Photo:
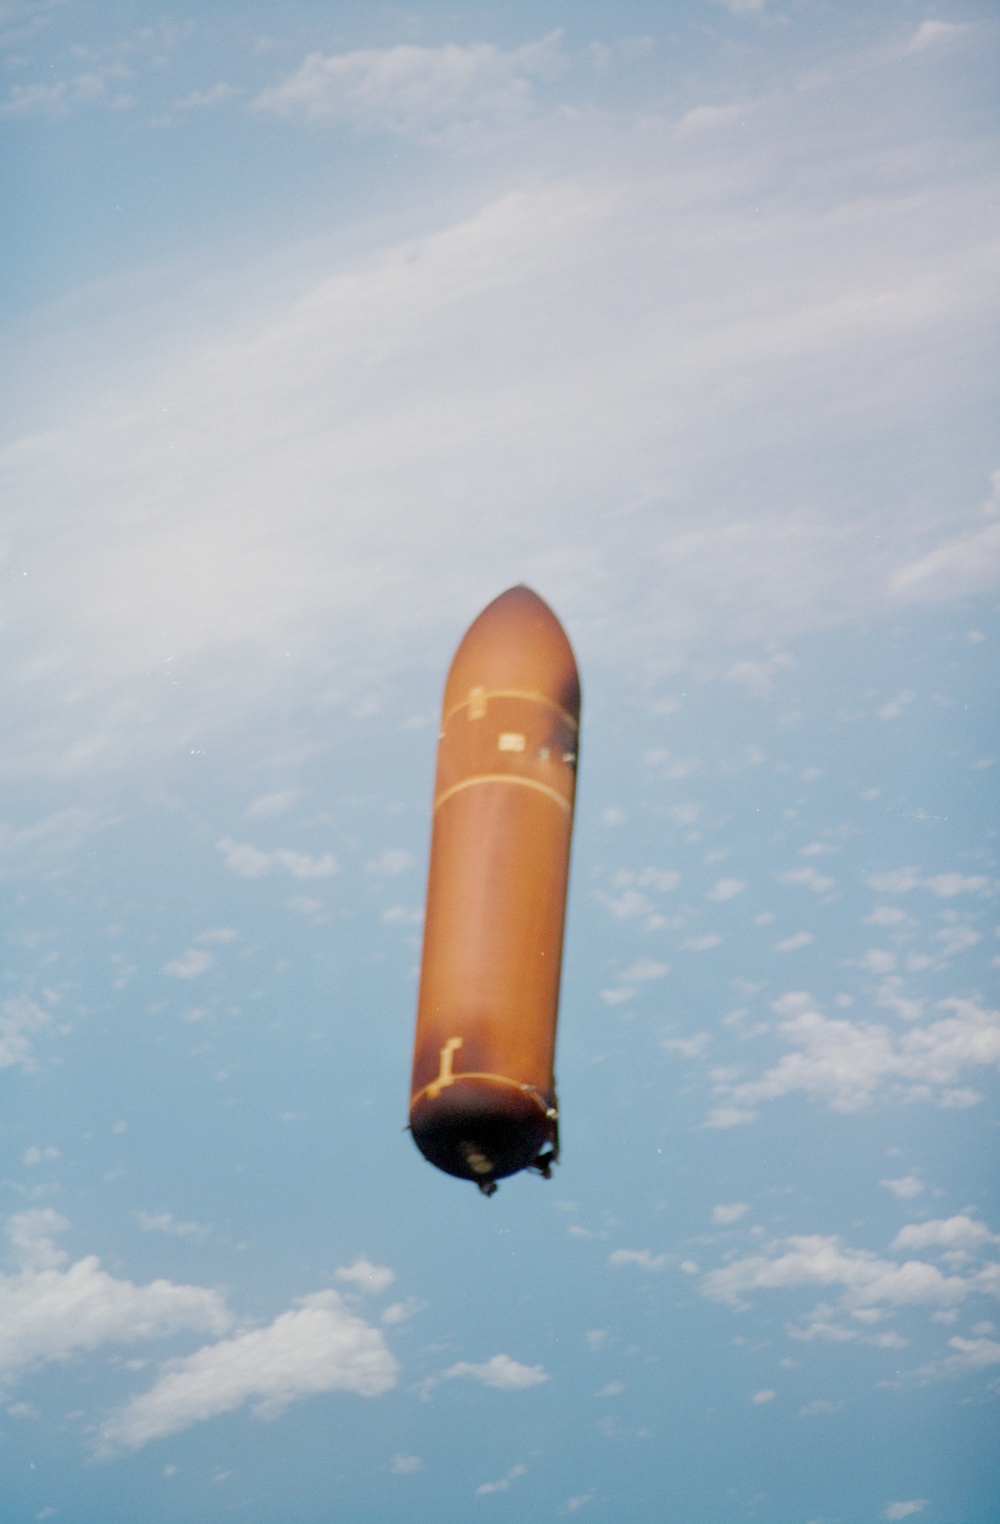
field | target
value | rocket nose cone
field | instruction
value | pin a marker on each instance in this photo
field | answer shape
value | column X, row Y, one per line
column 516, row 642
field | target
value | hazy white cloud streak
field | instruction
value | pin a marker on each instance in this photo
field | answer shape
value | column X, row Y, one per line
column 534, row 390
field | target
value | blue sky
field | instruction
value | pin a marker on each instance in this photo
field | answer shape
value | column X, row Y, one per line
column 323, row 324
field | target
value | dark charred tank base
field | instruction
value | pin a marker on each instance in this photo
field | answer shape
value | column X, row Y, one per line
column 483, row 1130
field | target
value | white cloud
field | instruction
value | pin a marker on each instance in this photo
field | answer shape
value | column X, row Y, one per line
column 21, row 1019
column 767, row 1395
column 191, row 963
column 896, row 881
column 317, row 1346
column 302, row 865
column 250, row 862
column 946, row 885
column 729, row 1116
column 640, row 1257
column 617, row 996
column 793, row 943
column 807, row 878
column 966, row 564
column 48, row 1312
column 660, row 880
column 500, row 1372
column 46, row 844
column 366, row 1276
column 245, row 860
column 225, row 491
column 757, row 677
column 688, row 1047
column 644, row 969
column 847, row 1063
column 742, row 7
column 406, row 1465
column 705, row 118
column 215, row 95
column 415, row 91
column 904, row 1510
column 267, row 805
column 165, row 1222
column 931, row 34
column 958, row 1232
column 725, row 889
column 905, row 1188
column 870, row 1286
column 61, row 97
column 392, row 861
column 967, row 1355
column 897, row 706
column 886, row 915
column 502, row 1485
column 731, row 1212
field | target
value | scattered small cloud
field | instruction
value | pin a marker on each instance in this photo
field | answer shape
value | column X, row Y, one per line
column 48, row 1312
column 190, row 964
column 794, row 943
column 210, row 98
column 688, row 1047
column 500, row 1373
column 704, row 943
column 807, row 878
column 897, row 706
column 904, row 1510
column 868, row 1287
column 249, row 862
column 756, row 678
column 574, row 1504
column 392, row 861
column 427, row 93
column 406, row 1465
column 366, row 1276
column 317, row 1346
column 165, row 1222
column 725, row 889
column 934, row 34
column 767, row 1395
column 742, row 7
column 644, row 969
column 959, row 1232
column 847, row 1063
column 732, row 1211
column 268, row 805
column 502, row 1485
column 905, row 1188
column 640, row 1257
column 21, row 1019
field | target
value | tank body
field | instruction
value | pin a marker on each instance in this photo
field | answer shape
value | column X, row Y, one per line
column 483, row 1102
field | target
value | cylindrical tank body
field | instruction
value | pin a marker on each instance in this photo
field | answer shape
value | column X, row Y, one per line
column 483, row 1101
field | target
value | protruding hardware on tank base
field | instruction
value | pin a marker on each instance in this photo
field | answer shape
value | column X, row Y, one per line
column 483, row 1102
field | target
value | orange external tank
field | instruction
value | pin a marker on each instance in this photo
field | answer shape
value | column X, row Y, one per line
column 483, row 1102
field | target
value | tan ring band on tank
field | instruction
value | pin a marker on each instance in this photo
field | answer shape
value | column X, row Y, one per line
column 483, row 695
column 433, row 1090
column 543, row 788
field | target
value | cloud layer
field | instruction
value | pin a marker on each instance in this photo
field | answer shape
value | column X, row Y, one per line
column 318, row 1346
column 277, row 506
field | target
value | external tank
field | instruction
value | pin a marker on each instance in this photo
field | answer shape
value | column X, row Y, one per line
column 483, row 1102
